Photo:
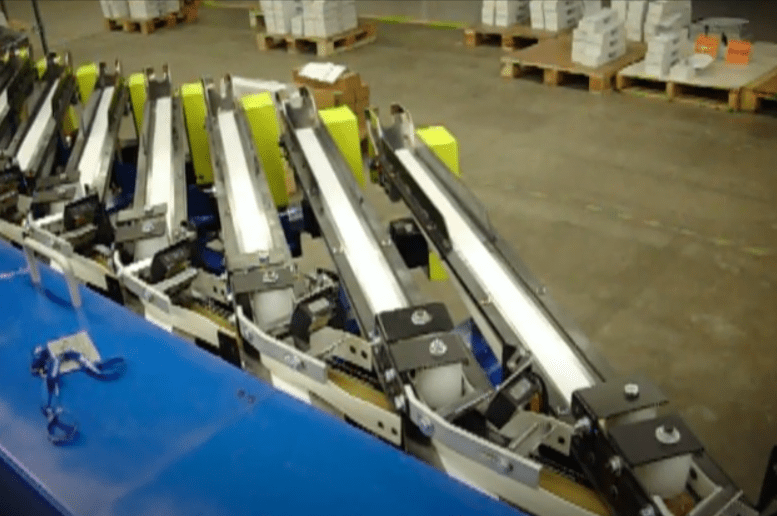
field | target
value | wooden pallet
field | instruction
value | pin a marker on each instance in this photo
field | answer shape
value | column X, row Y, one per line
column 188, row 13
column 553, row 59
column 366, row 32
column 760, row 92
column 509, row 38
column 677, row 91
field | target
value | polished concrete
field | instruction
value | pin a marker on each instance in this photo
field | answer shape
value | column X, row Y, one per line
column 654, row 224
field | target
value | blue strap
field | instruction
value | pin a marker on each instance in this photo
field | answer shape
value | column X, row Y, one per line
column 61, row 426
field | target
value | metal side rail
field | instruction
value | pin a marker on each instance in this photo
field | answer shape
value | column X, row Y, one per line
column 638, row 460
column 88, row 170
column 17, row 76
column 159, row 215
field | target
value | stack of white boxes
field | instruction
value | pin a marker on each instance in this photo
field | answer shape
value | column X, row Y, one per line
column 635, row 19
column 148, row 9
column 621, row 7
column 555, row 15
column 667, row 16
column 278, row 15
column 537, row 14
column 504, row 13
column 591, row 7
column 115, row 9
column 324, row 18
column 663, row 53
column 599, row 39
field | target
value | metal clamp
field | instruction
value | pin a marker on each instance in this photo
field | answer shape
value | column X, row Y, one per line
column 481, row 451
column 32, row 246
column 280, row 351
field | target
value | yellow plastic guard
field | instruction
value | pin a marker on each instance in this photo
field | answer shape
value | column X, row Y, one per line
column 137, row 90
column 344, row 129
column 260, row 112
column 445, row 146
column 193, row 97
column 70, row 122
column 86, row 77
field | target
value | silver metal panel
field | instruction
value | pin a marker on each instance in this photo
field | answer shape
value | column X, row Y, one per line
column 370, row 266
column 516, row 306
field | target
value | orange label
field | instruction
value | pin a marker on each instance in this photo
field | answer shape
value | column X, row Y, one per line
column 707, row 45
column 738, row 52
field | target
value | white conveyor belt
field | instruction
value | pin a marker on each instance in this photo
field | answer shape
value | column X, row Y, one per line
column 160, row 182
column 31, row 140
column 372, row 271
column 252, row 228
column 89, row 165
column 516, row 306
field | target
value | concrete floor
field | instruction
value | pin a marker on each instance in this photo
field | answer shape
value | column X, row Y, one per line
column 654, row 224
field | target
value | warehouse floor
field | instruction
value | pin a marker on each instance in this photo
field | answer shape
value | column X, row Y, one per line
column 654, row 224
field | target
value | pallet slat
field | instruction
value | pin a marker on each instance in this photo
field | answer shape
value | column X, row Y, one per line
column 188, row 13
column 509, row 38
column 719, row 98
column 757, row 92
column 553, row 58
column 365, row 33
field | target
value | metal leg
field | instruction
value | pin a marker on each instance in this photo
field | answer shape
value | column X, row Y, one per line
column 39, row 25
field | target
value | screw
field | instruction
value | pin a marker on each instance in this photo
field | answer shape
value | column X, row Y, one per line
column 390, row 375
column 269, row 277
column 615, row 465
column 399, row 402
column 582, row 426
column 542, row 290
column 667, row 434
column 426, row 426
column 293, row 361
column 647, row 511
column 420, row 317
column 437, row 348
column 631, row 391
column 504, row 465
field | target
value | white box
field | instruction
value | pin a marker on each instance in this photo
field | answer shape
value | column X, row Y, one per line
column 601, row 21
column 143, row 9
column 537, row 14
column 297, row 25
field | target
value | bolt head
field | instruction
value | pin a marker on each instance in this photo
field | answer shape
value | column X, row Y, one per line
column 631, row 391
column 426, row 426
column 615, row 465
column 420, row 317
column 293, row 361
column 437, row 347
column 667, row 434
column 503, row 465
column 647, row 511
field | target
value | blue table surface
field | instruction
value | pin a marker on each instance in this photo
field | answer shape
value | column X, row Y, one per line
column 172, row 436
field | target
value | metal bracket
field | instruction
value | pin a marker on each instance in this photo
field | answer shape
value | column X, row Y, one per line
column 79, row 342
column 260, row 279
column 144, row 291
column 481, row 451
column 58, row 193
column 140, row 229
column 268, row 345
column 428, row 351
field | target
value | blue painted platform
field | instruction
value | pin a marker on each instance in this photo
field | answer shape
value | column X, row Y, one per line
column 183, row 432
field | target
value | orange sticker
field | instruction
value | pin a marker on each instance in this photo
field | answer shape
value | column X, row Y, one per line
column 707, row 45
column 738, row 52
